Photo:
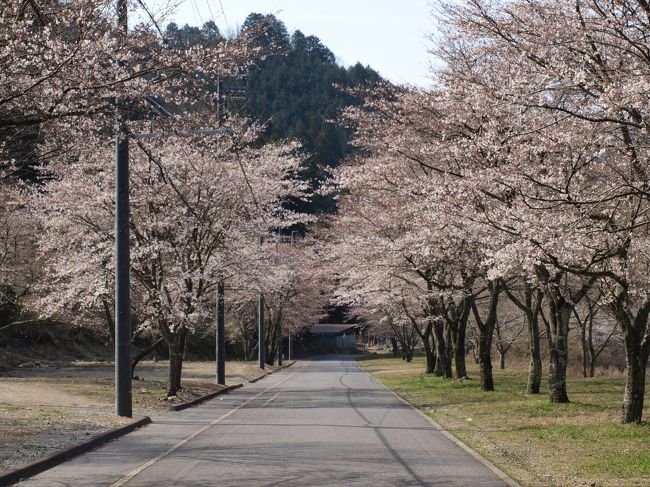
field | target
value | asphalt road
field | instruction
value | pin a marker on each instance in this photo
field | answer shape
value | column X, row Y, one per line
column 321, row 422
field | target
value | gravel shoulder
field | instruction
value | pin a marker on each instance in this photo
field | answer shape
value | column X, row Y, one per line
column 44, row 408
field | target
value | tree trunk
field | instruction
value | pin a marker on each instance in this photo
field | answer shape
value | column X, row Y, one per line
column 591, row 350
column 429, row 354
column 425, row 336
column 443, row 362
column 502, row 360
column 408, row 356
column 559, row 355
column 136, row 360
column 634, row 385
column 560, row 308
column 176, row 352
column 110, row 323
column 583, row 347
column 637, row 351
column 460, row 366
column 486, row 332
column 531, row 306
column 535, row 366
column 485, row 355
column 449, row 345
column 557, row 390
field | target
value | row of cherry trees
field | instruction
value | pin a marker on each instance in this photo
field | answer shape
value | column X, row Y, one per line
column 203, row 192
column 522, row 175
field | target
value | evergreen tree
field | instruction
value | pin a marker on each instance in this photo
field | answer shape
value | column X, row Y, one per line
column 297, row 92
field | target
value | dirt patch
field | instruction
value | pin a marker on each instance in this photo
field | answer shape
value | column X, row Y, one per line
column 42, row 393
column 30, row 433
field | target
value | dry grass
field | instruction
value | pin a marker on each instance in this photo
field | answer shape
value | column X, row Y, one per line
column 537, row 443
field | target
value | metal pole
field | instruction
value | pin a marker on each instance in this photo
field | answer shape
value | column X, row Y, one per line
column 289, row 354
column 279, row 348
column 261, row 347
column 221, row 335
column 123, row 399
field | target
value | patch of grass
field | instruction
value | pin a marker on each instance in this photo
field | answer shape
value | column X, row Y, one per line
column 623, row 464
column 9, row 408
column 538, row 443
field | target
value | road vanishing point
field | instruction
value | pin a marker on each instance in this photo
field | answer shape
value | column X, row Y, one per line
column 319, row 423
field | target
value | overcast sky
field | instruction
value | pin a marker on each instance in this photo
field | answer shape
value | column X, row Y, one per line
column 388, row 35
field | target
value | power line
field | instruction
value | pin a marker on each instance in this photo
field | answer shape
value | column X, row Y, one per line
column 225, row 19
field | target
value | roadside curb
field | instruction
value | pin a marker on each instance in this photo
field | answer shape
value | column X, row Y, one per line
column 253, row 381
column 198, row 400
column 46, row 463
column 493, row 468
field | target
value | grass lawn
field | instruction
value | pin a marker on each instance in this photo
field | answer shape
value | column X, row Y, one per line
column 535, row 442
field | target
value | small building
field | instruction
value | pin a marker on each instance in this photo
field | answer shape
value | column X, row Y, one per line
column 335, row 337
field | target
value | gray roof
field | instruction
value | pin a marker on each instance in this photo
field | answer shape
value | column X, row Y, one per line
column 331, row 329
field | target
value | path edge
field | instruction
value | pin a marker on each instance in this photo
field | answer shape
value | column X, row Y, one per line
column 200, row 399
column 254, row 380
column 477, row 456
column 59, row 457
column 212, row 395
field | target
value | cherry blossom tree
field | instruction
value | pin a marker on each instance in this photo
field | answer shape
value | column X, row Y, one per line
column 584, row 167
column 64, row 59
column 197, row 205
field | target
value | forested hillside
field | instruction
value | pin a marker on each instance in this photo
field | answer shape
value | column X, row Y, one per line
column 296, row 92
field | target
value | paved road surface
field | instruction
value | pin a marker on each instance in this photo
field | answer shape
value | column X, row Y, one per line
column 321, row 422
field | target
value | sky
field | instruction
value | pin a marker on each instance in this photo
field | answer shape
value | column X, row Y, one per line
column 388, row 35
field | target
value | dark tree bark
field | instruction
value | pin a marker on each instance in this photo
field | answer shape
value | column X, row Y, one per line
column 136, row 360
column 408, row 355
column 176, row 353
column 425, row 336
column 456, row 316
column 485, row 362
column 531, row 306
column 504, row 343
column 393, row 342
column 560, row 302
column 443, row 360
column 430, row 353
column 590, row 352
column 407, row 337
column 108, row 315
column 245, row 332
column 486, row 332
column 274, row 327
column 636, row 338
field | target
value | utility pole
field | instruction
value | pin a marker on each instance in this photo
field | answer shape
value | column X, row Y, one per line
column 289, row 354
column 123, row 398
column 261, row 340
column 221, row 335
column 289, row 348
column 261, row 347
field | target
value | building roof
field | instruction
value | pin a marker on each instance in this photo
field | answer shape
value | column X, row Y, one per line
column 331, row 329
